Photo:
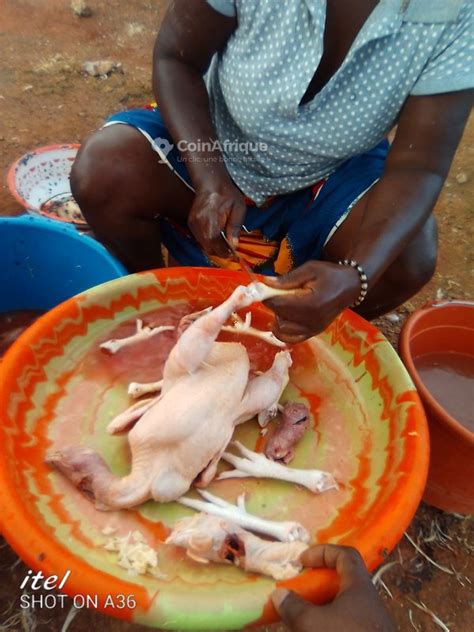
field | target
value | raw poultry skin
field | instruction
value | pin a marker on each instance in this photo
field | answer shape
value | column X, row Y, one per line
column 212, row 539
column 182, row 433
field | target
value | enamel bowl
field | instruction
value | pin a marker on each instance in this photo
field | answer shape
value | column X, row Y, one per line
column 39, row 181
column 56, row 388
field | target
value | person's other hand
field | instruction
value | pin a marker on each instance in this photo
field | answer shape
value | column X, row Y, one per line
column 222, row 208
column 356, row 608
column 326, row 289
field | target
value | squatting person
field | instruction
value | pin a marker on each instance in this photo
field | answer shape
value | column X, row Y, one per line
column 271, row 126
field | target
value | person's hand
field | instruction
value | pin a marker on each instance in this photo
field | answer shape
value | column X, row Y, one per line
column 325, row 290
column 357, row 606
column 215, row 209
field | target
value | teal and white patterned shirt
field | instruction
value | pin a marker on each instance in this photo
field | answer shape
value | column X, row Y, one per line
column 406, row 47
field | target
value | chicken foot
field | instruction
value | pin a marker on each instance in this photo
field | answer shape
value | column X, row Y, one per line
column 283, row 531
column 142, row 333
column 258, row 466
column 244, row 327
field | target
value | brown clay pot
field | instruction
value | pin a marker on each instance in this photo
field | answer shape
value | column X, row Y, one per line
column 441, row 327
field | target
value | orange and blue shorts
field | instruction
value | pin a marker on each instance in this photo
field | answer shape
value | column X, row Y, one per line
column 285, row 232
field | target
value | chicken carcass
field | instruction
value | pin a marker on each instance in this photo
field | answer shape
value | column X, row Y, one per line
column 213, row 539
column 182, row 433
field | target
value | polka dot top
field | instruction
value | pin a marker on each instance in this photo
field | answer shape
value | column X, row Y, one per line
column 274, row 145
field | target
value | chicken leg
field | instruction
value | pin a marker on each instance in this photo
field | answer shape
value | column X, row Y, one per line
column 264, row 390
column 196, row 342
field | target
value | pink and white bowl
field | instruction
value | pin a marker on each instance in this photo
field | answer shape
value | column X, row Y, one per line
column 39, row 181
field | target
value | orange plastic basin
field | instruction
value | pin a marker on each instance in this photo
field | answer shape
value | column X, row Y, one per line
column 367, row 422
column 445, row 327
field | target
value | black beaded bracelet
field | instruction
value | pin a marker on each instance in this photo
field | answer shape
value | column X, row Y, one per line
column 364, row 285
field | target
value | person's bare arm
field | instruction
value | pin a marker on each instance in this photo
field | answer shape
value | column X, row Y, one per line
column 191, row 33
column 428, row 134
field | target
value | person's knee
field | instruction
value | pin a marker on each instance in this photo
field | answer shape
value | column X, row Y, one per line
column 97, row 175
column 416, row 266
column 420, row 274
column 86, row 172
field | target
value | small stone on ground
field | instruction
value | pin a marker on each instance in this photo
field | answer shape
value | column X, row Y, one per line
column 81, row 9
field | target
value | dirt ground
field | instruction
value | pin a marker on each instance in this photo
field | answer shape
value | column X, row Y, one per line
column 44, row 99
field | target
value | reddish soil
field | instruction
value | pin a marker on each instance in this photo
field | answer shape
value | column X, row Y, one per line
column 44, row 99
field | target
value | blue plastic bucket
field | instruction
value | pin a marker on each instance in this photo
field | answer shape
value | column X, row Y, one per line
column 43, row 263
